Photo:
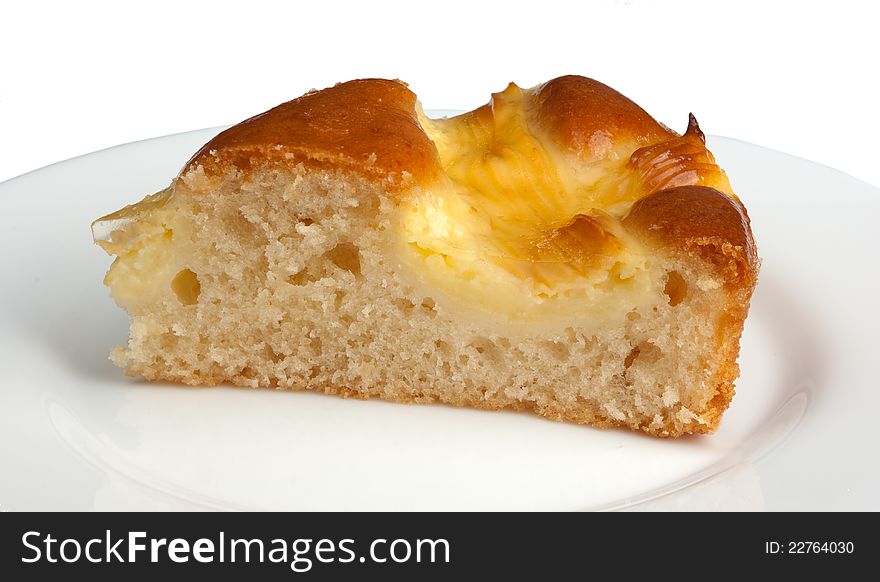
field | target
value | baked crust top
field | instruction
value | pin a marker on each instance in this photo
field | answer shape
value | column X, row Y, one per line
column 374, row 127
column 368, row 126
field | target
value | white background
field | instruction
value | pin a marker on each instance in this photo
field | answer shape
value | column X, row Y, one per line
column 795, row 76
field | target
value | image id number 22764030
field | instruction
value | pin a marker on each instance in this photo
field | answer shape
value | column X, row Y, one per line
column 809, row 547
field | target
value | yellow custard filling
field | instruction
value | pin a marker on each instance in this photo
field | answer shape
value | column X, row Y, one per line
column 518, row 227
column 144, row 237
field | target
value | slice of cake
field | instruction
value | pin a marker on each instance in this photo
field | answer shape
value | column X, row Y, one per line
column 556, row 250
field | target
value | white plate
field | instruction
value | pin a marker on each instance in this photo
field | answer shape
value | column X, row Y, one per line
column 76, row 434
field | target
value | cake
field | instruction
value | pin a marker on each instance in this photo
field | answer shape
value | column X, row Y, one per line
column 556, row 250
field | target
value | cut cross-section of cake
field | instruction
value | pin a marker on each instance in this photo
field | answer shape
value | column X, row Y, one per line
column 556, row 250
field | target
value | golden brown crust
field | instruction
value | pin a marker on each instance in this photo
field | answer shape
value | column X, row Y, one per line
column 371, row 126
column 368, row 126
column 679, row 161
column 582, row 115
column 701, row 222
